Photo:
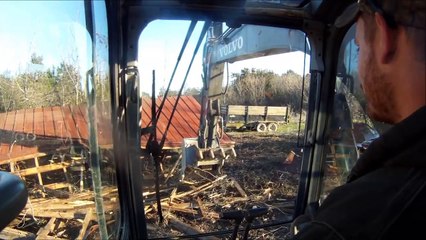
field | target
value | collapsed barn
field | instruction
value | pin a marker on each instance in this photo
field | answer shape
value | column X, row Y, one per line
column 49, row 148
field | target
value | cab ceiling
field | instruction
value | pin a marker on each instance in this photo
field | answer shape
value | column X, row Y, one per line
column 288, row 13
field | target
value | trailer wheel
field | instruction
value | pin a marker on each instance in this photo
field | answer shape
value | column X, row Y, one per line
column 272, row 127
column 261, row 127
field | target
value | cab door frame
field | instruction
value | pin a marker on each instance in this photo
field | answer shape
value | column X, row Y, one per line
column 325, row 40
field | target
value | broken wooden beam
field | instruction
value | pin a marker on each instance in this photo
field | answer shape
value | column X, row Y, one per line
column 173, row 169
column 201, row 188
column 10, row 233
column 186, row 228
column 201, row 207
column 44, row 231
column 239, row 188
column 86, row 221
column 42, row 169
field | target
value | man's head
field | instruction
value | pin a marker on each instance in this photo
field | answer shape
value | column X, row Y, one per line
column 391, row 39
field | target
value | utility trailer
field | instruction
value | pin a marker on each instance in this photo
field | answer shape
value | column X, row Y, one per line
column 259, row 118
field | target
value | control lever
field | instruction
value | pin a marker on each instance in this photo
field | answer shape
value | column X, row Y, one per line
column 250, row 215
column 237, row 216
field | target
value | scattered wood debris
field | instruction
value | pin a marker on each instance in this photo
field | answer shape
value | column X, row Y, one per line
column 62, row 206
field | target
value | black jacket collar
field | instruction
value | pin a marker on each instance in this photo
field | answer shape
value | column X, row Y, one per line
column 404, row 145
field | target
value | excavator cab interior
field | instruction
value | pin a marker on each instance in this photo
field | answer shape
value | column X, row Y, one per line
column 112, row 121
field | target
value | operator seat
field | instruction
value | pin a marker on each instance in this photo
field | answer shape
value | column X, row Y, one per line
column 13, row 197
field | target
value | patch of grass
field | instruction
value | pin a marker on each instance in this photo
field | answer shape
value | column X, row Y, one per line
column 291, row 127
column 234, row 125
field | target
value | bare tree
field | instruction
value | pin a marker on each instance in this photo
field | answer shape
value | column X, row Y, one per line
column 260, row 87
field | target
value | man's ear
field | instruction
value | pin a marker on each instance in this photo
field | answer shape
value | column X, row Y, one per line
column 386, row 42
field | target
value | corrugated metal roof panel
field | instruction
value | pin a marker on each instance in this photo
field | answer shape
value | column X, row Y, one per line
column 42, row 130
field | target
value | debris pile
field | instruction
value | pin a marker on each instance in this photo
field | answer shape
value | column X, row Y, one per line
column 62, row 204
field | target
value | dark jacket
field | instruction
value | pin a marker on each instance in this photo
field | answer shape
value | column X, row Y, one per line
column 385, row 196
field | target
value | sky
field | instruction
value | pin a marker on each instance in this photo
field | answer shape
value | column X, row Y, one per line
column 56, row 31
column 161, row 42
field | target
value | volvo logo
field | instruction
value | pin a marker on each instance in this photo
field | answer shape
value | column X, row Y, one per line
column 231, row 47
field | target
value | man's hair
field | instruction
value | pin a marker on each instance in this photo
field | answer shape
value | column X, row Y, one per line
column 409, row 14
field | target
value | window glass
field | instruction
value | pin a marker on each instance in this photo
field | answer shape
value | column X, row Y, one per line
column 55, row 119
column 350, row 130
column 232, row 143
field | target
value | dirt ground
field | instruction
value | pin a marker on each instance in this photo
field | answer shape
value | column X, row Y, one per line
column 261, row 170
column 259, row 177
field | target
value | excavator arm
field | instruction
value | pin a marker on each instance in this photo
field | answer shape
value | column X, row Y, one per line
column 232, row 45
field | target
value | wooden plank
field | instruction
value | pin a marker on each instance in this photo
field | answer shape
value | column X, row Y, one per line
column 145, row 119
column 86, row 222
column 29, row 132
column 58, row 185
column 4, row 147
column 44, row 231
column 38, row 122
column 174, row 168
column 201, row 188
column 186, row 228
column 2, row 119
column 208, row 162
column 29, row 121
column 81, row 124
column 201, row 207
column 67, row 179
column 183, row 208
column 192, row 109
column 49, row 126
column 10, row 233
column 18, row 129
column 185, row 122
column 83, row 110
column 42, row 169
column 194, row 106
column 71, row 203
column 162, row 124
column 276, row 111
column 40, row 179
column 70, row 214
column 8, row 134
column 19, row 121
column 191, row 119
column 70, row 123
column 236, row 110
column 173, row 133
column 256, row 110
column 181, row 122
column 10, row 121
column 58, row 120
column 84, row 127
column 146, row 112
column 22, row 158
column 104, row 125
column 239, row 188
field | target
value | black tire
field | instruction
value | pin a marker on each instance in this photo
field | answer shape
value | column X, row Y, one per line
column 272, row 127
column 261, row 127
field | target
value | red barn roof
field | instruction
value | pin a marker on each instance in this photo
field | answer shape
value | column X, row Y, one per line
column 28, row 132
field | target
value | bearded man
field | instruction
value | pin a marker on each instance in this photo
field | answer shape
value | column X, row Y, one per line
column 385, row 195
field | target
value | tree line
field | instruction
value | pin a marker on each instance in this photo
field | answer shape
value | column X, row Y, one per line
column 260, row 87
column 263, row 87
column 63, row 85
column 39, row 87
